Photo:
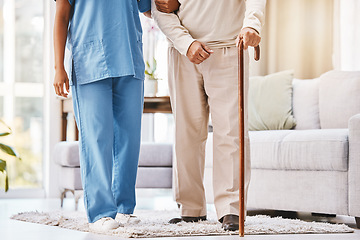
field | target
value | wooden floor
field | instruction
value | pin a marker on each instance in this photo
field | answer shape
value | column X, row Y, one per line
column 16, row 230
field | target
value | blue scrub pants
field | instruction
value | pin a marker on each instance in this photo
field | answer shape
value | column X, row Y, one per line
column 108, row 114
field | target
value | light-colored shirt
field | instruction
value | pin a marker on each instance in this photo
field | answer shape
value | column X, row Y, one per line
column 214, row 22
column 105, row 39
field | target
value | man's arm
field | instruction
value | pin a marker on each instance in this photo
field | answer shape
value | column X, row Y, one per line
column 253, row 22
column 170, row 25
column 255, row 14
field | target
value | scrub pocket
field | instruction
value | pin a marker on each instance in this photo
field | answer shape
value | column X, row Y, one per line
column 90, row 62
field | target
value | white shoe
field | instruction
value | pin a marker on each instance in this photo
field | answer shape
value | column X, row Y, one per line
column 104, row 225
column 126, row 219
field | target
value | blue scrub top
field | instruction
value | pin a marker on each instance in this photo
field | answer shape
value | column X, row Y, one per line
column 105, row 39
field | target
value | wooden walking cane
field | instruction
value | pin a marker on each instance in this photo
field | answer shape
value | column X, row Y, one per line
column 242, row 134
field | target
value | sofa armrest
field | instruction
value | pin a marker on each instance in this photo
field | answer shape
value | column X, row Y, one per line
column 354, row 166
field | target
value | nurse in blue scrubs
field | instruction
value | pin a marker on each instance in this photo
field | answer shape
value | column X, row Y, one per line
column 106, row 80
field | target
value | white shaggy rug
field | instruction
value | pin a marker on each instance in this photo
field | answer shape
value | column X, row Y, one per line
column 154, row 224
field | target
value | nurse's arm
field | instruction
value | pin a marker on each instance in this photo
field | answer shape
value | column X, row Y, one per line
column 62, row 16
column 167, row 6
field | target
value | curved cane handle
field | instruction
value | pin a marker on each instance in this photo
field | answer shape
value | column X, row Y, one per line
column 256, row 52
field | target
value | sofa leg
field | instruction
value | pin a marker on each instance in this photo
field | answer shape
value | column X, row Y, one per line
column 62, row 197
column 357, row 220
column 77, row 196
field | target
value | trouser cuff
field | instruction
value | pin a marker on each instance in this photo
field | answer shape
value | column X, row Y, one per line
column 193, row 212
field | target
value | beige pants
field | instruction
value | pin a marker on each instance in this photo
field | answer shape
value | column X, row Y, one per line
column 196, row 90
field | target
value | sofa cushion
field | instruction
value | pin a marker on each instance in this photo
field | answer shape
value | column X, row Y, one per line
column 71, row 178
column 339, row 98
column 270, row 102
column 306, row 103
column 154, row 177
column 308, row 191
column 67, row 154
column 155, row 154
column 151, row 154
column 321, row 150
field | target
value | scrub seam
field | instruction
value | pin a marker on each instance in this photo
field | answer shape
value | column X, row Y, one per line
column 115, row 164
column 82, row 135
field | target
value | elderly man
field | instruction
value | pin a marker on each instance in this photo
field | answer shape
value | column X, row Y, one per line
column 202, row 74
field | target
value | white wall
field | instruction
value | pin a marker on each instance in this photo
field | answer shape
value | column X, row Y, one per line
column 349, row 35
column 51, row 105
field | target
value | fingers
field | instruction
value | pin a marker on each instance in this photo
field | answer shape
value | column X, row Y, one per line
column 59, row 88
column 253, row 41
column 198, row 52
column 257, row 42
column 197, row 61
column 245, row 41
column 162, row 6
column 67, row 85
column 249, row 36
column 162, row 9
column 242, row 37
column 248, row 41
column 237, row 41
column 159, row 5
column 203, row 54
column 207, row 49
column 56, row 89
column 62, row 93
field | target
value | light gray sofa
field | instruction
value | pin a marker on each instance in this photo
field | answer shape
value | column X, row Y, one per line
column 155, row 167
column 316, row 166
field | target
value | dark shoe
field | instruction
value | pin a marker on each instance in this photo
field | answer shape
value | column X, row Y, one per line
column 187, row 219
column 230, row 222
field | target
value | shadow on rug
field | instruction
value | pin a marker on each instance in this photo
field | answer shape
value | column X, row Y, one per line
column 154, row 224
